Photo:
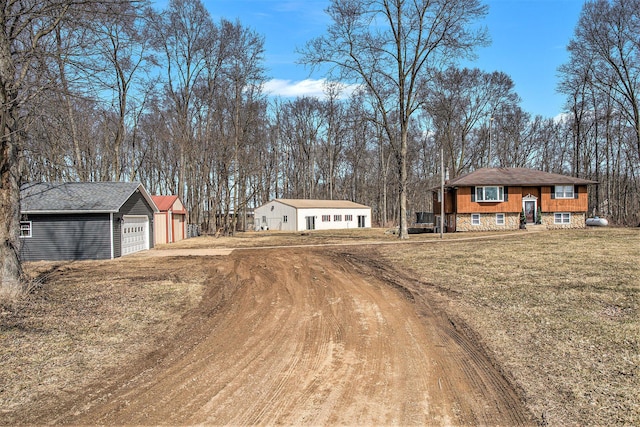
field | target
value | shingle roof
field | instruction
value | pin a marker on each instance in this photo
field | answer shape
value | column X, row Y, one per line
column 78, row 196
column 319, row 204
column 515, row 176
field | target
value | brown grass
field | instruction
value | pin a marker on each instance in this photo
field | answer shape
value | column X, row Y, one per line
column 560, row 311
column 83, row 321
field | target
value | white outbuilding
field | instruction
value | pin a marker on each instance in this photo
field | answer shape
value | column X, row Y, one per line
column 301, row 214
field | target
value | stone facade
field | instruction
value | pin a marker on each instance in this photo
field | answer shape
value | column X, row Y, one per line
column 488, row 222
column 512, row 222
column 577, row 220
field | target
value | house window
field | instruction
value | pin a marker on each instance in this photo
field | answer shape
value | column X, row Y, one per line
column 285, row 218
column 562, row 218
column 326, row 218
column 25, row 229
column 337, row 218
column 489, row 194
column 563, row 192
column 348, row 217
column 500, row 219
column 475, row 219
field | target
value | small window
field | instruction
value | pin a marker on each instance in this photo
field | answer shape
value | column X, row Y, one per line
column 500, row 219
column 563, row 192
column 337, row 218
column 326, row 218
column 25, row 229
column 348, row 217
column 264, row 219
column 562, row 218
column 475, row 219
column 489, row 194
column 285, row 218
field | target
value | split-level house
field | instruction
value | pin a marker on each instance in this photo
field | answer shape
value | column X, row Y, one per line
column 494, row 198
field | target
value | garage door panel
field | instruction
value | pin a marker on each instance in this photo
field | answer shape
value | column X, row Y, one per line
column 135, row 234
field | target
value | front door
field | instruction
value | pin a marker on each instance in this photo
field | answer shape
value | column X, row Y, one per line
column 530, row 211
column 311, row 222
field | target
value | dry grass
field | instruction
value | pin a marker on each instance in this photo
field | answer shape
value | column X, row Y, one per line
column 85, row 320
column 560, row 310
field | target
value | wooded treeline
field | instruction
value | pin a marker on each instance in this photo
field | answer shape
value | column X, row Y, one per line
column 170, row 98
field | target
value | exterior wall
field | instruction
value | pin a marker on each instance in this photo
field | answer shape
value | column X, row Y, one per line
column 579, row 204
column 271, row 217
column 488, row 222
column 577, row 220
column 513, row 204
column 333, row 225
column 135, row 205
column 160, row 228
column 67, row 237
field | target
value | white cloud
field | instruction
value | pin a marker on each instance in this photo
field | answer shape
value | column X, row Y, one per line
column 307, row 87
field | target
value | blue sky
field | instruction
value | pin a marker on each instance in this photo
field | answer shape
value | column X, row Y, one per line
column 529, row 39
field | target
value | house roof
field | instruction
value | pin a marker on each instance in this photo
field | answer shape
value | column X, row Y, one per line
column 320, row 204
column 79, row 197
column 515, row 176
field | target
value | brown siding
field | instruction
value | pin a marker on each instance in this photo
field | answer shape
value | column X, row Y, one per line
column 514, row 204
column 581, row 204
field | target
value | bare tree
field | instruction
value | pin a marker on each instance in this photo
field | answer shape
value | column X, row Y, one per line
column 24, row 25
column 389, row 46
column 462, row 104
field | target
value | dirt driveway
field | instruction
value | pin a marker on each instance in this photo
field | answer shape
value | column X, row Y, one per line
column 309, row 336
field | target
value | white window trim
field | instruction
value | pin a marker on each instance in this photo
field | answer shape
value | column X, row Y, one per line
column 562, row 221
column 29, row 229
column 564, row 192
column 479, row 220
column 500, row 194
column 503, row 219
column 285, row 218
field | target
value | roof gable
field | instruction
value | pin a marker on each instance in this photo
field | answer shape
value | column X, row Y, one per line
column 164, row 203
column 515, row 176
column 102, row 197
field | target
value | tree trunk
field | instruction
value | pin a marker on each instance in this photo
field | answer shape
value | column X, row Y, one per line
column 9, row 201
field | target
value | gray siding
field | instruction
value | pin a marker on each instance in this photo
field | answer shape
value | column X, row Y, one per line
column 67, row 237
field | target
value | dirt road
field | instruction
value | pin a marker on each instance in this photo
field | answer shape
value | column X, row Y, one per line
column 306, row 336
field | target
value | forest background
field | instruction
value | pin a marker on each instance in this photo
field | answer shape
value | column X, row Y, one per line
column 119, row 91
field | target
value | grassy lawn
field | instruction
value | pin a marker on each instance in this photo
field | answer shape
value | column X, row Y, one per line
column 560, row 310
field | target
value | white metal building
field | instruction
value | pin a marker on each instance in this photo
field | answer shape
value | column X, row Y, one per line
column 300, row 215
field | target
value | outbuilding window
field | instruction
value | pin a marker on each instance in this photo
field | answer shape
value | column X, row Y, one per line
column 348, row 217
column 489, row 194
column 285, row 218
column 326, row 218
column 25, row 229
column 337, row 218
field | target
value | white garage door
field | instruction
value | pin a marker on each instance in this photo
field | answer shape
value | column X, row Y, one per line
column 135, row 234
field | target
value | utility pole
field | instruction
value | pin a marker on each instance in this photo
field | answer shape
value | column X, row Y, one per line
column 441, row 192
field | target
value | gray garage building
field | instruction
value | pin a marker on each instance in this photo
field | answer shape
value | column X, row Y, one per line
column 84, row 220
